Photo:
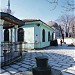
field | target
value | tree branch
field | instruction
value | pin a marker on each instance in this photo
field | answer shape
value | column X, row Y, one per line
column 53, row 1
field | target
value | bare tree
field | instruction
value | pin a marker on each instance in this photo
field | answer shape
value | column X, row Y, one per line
column 72, row 28
column 53, row 2
column 66, row 20
column 69, row 5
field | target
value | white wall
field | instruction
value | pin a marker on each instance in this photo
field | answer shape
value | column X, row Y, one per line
column 38, row 31
column 31, row 29
column 37, row 36
column 29, row 36
column 1, row 40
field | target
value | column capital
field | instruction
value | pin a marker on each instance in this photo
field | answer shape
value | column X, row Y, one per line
column 1, row 22
column 16, row 26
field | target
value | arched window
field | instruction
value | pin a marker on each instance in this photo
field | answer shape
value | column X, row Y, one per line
column 48, row 36
column 43, row 35
column 6, row 35
column 20, row 35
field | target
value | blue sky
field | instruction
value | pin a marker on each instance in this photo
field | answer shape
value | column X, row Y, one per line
column 35, row 9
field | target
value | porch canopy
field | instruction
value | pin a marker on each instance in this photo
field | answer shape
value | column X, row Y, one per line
column 10, row 21
column 10, row 50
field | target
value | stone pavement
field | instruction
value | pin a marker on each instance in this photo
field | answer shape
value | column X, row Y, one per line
column 61, row 58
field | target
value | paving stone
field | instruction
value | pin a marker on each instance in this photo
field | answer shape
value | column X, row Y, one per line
column 65, row 67
column 65, row 60
column 23, row 62
column 72, row 61
column 72, row 68
column 32, row 64
column 58, row 68
column 2, row 70
column 55, row 57
column 65, row 73
column 53, row 61
column 27, row 66
column 28, row 62
column 63, row 64
column 22, row 69
column 18, row 63
column 55, row 71
column 73, row 64
column 12, row 70
column 24, row 73
column 28, row 73
column 6, row 73
column 54, row 64
column 50, row 60
column 70, row 71
column 33, row 60
column 22, row 65
column 6, row 67
column 15, row 66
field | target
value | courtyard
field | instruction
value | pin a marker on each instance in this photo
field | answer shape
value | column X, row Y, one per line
column 60, row 59
column 30, row 29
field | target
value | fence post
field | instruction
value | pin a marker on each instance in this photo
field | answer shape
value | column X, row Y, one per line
column 20, row 46
column 5, row 57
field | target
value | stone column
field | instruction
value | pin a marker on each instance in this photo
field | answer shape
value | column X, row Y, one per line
column 15, row 33
column 1, row 40
column 11, row 41
column 15, row 36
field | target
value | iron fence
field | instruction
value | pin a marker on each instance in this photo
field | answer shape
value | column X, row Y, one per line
column 11, row 52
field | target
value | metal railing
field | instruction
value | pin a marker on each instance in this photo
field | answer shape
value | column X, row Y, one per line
column 11, row 52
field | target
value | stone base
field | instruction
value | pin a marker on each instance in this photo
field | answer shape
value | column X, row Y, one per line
column 41, row 71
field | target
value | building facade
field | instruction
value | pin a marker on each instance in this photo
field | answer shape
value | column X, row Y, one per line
column 37, row 34
column 8, row 41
